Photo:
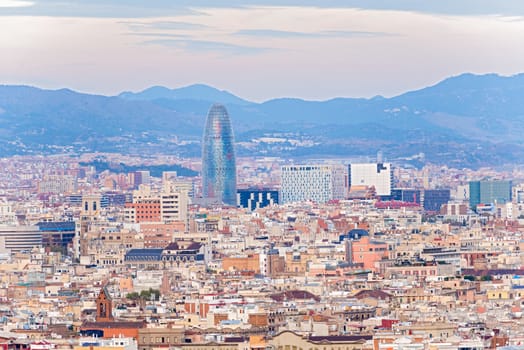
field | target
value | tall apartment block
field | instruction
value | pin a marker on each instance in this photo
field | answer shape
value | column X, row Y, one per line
column 317, row 183
column 378, row 175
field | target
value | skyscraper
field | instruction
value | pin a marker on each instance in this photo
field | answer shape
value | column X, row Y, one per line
column 218, row 157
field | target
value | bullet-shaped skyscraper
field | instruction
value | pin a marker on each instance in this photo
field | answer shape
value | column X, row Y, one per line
column 219, row 180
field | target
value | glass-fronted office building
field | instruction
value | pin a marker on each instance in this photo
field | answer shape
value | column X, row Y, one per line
column 218, row 157
column 489, row 192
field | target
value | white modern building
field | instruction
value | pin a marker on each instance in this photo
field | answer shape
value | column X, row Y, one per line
column 20, row 238
column 379, row 175
column 317, row 183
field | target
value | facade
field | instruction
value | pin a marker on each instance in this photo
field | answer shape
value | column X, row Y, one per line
column 250, row 262
column 379, row 175
column 454, row 209
column 141, row 177
column 366, row 252
column 406, row 195
column 185, row 251
column 171, row 183
column 254, row 198
column 173, row 207
column 435, row 199
column 20, row 238
column 146, row 210
column 169, row 205
column 317, row 183
column 489, row 192
column 113, row 199
column 91, row 205
column 288, row 340
column 57, row 184
column 160, row 337
column 159, row 235
column 218, row 157
column 94, row 343
column 58, row 234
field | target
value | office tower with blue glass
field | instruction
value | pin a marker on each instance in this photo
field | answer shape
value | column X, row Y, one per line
column 489, row 192
column 219, row 180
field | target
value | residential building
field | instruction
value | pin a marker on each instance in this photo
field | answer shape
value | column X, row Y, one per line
column 379, row 175
column 254, row 198
column 318, row 183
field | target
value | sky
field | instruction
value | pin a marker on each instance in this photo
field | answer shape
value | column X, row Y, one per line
column 258, row 49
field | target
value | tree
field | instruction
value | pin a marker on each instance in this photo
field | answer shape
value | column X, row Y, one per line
column 145, row 295
column 151, row 294
column 133, row 296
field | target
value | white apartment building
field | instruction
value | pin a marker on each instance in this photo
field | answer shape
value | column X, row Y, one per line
column 379, row 175
column 57, row 184
column 19, row 238
column 317, row 183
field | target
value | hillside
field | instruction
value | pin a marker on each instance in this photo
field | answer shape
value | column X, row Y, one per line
column 469, row 120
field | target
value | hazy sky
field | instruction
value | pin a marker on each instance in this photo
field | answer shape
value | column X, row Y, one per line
column 258, row 49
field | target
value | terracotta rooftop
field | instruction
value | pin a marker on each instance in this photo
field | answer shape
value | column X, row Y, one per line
column 376, row 294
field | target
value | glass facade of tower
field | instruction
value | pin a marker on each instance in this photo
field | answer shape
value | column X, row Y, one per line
column 489, row 192
column 218, row 157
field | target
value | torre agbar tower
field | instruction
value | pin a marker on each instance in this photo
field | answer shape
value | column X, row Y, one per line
column 219, row 180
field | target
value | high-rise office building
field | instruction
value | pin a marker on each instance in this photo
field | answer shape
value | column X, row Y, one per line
column 489, row 192
column 379, row 175
column 140, row 177
column 218, row 157
column 435, row 199
column 406, row 195
column 318, row 183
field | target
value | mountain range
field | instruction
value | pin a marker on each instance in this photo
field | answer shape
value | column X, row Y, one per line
column 467, row 121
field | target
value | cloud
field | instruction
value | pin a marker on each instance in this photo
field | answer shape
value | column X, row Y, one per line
column 512, row 18
column 164, row 25
column 322, row 34
column 15, row 3
column 273, row 33
column 163, row 29
column 160, row 35
column 207, row 46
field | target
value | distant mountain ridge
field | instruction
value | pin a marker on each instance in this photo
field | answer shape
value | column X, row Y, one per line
column 466, row 120
column 199, row 92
